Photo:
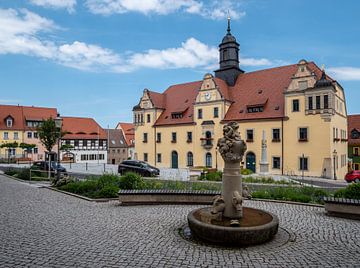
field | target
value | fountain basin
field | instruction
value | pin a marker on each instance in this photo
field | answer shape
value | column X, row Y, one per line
column 256, row 227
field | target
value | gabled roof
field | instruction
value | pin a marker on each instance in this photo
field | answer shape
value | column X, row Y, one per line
column 157, row 99
column 116, row 138
column 259, row 88
column 38, row 113
column 82, row 128
column 15, row 112
column 129, row 132
column 179, row 98
column 353, row 123
column 22, row 113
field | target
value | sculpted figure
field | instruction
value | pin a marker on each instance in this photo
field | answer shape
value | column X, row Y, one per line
column 231, row 147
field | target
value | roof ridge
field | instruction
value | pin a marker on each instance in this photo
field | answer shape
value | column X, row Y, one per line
column 273, row 68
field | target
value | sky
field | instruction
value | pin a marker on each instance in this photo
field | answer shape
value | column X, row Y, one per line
column 94, row 58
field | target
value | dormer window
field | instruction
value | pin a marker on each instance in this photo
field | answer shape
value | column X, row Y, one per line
column 9, row 122
column 176, row 115
column 255, row 109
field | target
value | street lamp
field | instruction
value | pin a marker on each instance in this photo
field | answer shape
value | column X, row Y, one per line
column 334, row 155
column 58, row 124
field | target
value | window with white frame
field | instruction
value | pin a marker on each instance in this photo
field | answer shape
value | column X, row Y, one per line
column 9, row 122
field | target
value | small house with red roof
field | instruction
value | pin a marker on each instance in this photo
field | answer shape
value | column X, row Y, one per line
column 18, row 125
column 86, row 139
column 128, row 132
column 299, row 107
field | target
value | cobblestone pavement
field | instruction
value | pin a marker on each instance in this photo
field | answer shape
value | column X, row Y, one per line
column 43, row 228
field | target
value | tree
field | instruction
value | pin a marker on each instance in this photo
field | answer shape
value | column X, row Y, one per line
column 49, row 135
column 9, row 146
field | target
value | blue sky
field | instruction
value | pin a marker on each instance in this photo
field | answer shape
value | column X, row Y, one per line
column 94, row 57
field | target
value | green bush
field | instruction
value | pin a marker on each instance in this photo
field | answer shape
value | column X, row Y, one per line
column 212, row 176
column 352, row 191
column 298, row 194
column 131, row 181
column 11, row 171
column 246, row 171
column 24, row 174
column 108, row 191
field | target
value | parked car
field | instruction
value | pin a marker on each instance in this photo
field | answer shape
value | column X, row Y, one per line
column 140, row 167
column 44, row 166
column 353, row 176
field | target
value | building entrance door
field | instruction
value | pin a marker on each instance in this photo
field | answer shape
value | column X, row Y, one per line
column 251, row 161
column 174, row 160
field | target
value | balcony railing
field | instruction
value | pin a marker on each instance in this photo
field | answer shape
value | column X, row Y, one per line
column 207, row 143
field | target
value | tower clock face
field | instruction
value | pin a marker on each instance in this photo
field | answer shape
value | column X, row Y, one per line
column 207, row 96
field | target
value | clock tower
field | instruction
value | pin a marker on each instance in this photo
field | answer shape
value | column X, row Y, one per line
column 228, row 59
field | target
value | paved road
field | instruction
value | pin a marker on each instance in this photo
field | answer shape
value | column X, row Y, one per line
column 43, row 228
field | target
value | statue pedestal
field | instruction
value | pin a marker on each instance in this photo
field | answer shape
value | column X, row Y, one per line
column 264, row 168
column 231, row 183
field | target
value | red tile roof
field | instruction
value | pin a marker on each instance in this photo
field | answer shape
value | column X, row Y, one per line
column 157, row 99
column 22, row 113
column 38, row 113
column 258, row 87
column 353, row 123
column 179, row 98
column 16, row 113
column 82, row 128
column 128, row 131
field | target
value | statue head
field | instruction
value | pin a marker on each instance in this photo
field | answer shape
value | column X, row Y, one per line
column 231, row 146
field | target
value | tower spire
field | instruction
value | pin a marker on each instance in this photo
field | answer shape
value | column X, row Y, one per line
column 228, row 19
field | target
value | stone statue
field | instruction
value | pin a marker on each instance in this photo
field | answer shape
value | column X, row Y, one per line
column 232, row 149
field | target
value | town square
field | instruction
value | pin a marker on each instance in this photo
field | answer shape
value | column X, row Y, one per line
column 179, row 133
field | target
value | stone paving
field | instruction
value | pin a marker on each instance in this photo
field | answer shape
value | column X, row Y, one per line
column 43, row 228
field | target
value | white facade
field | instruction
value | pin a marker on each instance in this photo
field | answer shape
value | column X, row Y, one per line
column 86, row 151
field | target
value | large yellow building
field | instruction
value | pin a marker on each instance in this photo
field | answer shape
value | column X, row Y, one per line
column 300, row 109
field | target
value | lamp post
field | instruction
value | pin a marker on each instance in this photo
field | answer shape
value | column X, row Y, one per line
column 334, row 156
column 58, row 123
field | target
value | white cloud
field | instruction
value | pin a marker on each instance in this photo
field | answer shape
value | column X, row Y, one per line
column 21, row 33
column 24, row 32
column 191, row 54
column 56, row 4
column 345, row 73
column 211, row 9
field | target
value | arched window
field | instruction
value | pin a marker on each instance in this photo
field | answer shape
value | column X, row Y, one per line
column 174, row 159
column 190, row 159
column 208, row 160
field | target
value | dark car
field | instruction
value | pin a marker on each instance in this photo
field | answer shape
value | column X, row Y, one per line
column 44, row 165
column 140, row 167
column 353, row 176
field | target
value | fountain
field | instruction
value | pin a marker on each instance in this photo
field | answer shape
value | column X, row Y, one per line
column 227, row 222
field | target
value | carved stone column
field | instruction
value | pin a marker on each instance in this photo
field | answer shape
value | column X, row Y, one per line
column 264, row 164
column 232, row 149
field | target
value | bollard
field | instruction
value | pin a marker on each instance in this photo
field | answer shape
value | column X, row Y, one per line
column 86, row 166
column 104, row 167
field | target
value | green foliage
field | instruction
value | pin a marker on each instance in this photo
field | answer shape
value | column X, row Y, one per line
column 265, row 180
column 296, row 194
column 66, row 147
column 108, row 191
column 24, row 174
column 48, row 133
column 246, row 171
column 212, row 176
column 131, row 181
column 352, row 191
column 10, row 145
column 11, row 172
column 27, row 146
